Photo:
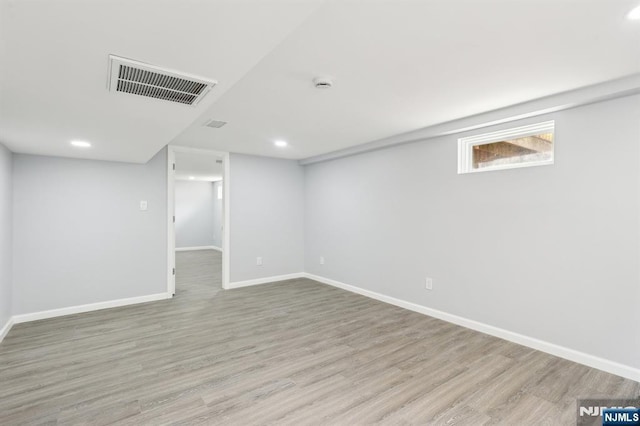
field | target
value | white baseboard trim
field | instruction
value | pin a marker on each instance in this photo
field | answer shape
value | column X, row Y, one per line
column 17, row 319
column 550, row 348
column 5, row 330
column 198, row 248
column 266, row 280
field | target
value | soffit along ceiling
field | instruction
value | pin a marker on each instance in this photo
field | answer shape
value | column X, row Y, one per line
column 198, row 167
column 396, row 66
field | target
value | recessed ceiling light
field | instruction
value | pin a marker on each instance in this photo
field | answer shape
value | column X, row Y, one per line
column 81, row 144
column 634, row 15
column 280, row 144
column 191, row 177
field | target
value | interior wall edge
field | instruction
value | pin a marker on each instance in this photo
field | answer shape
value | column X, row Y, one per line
column 6, row 328
column 6, row 239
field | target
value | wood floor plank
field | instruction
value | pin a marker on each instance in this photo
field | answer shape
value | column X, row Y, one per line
column 295, row 352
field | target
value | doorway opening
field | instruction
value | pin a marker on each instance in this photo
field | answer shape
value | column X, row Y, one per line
column 198, row 221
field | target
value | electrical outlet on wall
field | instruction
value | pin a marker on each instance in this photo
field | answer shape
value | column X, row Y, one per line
column 259, row 261
column 322, row 260
column 428, row 283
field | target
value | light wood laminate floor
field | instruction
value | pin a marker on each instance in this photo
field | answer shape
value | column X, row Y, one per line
column 295, row 352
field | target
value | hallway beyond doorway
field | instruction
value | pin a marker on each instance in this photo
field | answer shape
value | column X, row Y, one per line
column 198, row 274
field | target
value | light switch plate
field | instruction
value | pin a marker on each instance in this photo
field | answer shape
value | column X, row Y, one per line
column 143, row 205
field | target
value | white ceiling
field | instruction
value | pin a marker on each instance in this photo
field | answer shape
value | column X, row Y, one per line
column 54, row 58
column 397, row 66
column 198, row 167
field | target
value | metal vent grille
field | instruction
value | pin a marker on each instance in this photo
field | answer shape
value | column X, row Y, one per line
column 141, row 79
column 215, row 124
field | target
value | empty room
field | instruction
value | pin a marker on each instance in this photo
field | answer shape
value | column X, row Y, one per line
column 319, row 212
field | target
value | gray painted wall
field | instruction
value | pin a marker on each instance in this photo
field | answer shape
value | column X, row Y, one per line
column 5, row 234
column 217, row 215
column 267, row 217
column 79, row 235
column 549, row 252
column 195, row 213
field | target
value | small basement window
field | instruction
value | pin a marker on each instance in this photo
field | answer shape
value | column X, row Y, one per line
column 507, row 149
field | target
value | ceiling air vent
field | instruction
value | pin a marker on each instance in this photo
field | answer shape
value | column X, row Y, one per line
column 215, row 124
column 137, row 78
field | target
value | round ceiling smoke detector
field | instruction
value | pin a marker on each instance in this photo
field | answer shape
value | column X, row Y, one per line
column 322, row 83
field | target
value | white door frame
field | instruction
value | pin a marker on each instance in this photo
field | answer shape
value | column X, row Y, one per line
column 171, row 235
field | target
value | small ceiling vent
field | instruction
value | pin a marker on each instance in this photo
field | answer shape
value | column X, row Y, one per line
column 322, row 83
column 137, row 78
column 215, row 124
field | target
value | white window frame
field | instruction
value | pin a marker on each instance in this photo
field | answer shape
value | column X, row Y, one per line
column 465, row 146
